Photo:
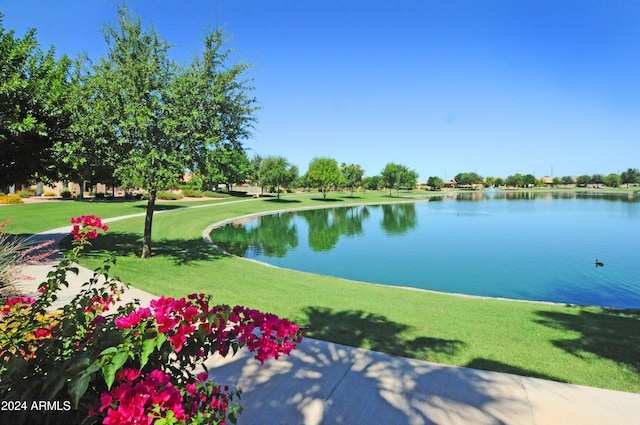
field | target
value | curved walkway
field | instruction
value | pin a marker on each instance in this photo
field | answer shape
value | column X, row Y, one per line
column 326, row 383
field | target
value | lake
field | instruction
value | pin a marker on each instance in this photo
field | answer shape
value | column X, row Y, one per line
column 519, row 245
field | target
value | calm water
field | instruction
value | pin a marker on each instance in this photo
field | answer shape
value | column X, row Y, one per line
column 515, row 245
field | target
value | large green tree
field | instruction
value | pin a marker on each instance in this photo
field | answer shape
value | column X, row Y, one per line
column 631, row 176
column 583, row 180
column 85, row 154
column 612, row 180
column 397, row 176
column 371, row 183
column 276, row 172
column 435, row 182
column 224, row 165
column 33, row 107
column 352, row 174
column 163, row 119
column 468, row 179
column 133, row 96
column 215, row 111
column 515, row 180
column 324, row 174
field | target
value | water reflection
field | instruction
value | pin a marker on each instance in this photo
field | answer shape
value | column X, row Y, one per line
column 327, row 225
column 398, row 218
column 274, row 235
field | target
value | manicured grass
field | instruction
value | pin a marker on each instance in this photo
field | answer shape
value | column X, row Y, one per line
column 583, row 345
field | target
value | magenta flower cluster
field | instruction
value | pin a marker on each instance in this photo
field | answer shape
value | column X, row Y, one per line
column 86, row 227
column 185, row 322
column 267, row 335
column 135, row 365
column 137, row 396
column 17, row 302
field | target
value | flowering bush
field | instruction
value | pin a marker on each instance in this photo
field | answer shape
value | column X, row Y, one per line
column 11, row 199
column 142, row 365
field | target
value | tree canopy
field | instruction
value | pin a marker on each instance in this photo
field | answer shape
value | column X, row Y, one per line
column 162, row 119
column 468, row 179
column 352, row 176
column 397, row 176
column 33, row 107
column 631, row 176
column 324, row 174
column 275, row 171
column 435, row 182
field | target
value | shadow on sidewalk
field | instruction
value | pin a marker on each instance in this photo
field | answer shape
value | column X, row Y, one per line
column 326, row 383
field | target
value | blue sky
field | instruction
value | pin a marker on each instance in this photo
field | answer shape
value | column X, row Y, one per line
column 495, row 87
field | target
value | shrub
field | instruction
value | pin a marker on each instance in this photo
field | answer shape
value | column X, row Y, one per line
column 50, row 194
column 210, row 194
column 11, row 199
column 169, row 196
column 66, row 194
column 192, row 193
column 26, row 193
column 134, row 365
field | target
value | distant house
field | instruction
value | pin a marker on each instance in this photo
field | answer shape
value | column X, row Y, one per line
column 450, row 184
column 548, row 181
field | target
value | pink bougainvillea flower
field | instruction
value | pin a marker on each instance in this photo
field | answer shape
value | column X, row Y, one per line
column 42, row 333
column 134, row 318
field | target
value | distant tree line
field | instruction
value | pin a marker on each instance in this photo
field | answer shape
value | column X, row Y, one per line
column 325, row 175
column 628, row 177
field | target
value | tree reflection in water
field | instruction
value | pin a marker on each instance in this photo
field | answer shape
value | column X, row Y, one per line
column 327, row 225
column 274, row 235
column 398, row 218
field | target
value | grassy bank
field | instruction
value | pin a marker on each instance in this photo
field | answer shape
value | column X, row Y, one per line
column 583, row 345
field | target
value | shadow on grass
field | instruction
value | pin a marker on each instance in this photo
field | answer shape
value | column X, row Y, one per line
column 495, row 366
column 608, row 333
column 161, row 207
column 282, row 201
column 327, row 199
column 358, row 328
column 180, row 251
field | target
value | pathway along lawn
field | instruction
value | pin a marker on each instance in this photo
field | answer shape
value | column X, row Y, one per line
column 580, row 345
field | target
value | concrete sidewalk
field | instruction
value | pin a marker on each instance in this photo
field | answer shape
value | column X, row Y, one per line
column 325, row 383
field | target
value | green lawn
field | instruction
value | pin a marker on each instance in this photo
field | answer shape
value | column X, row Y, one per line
column 582, row 345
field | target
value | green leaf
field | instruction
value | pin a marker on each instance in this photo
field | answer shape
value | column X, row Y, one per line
column 77, row 387
column 147, row 348
column 110, row 350
column 78, row 365
column 110, row 369
column 160, row 339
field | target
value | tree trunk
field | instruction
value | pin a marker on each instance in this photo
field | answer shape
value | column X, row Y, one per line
column 146, row 243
